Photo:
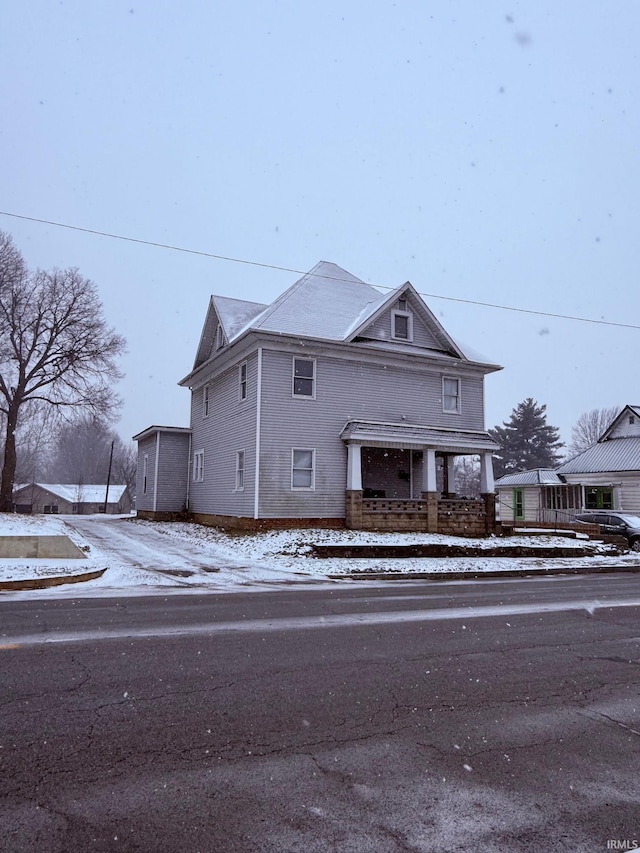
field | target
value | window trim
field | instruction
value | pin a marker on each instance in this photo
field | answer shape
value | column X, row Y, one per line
column 206, row 401
column 311, row 450
column 241, row 456
column 197, row 474
column 409, row 317
column 458, row 409
column 243, row 383
column 311, row 396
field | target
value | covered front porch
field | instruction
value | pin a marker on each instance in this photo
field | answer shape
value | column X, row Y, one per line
column 400, row 477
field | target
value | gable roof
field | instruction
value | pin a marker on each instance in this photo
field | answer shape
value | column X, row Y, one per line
column 443, row 339
column 328, row 303
column 628, row 410
column 232, row 314
column 74, row 493
column 614, row 454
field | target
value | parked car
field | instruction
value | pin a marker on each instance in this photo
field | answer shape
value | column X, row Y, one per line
column 616, row 523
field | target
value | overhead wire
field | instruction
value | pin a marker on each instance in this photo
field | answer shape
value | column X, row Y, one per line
column 279, row 268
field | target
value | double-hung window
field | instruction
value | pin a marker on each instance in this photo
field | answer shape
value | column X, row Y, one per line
column 205, row 401
column 303, row 469
column 240, row 471
column 450, row 394
column 401, row 326
column 242, row 380
column 198, row 466
column 304, row 377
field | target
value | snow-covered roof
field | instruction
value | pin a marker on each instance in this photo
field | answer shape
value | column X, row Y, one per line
column 327, row 303
column 236, row 314
column 321, row 304
column 154, row 428
column 534, row 477
column 85, row 493
column 614, row 454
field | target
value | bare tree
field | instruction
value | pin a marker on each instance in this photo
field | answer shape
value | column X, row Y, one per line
column 467, row 476
column 56, row 348
column 81, row 450
column 589, row 427
column 125, row 464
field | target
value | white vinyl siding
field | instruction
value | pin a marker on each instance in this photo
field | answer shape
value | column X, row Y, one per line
column 303, row 468
column 230, row 426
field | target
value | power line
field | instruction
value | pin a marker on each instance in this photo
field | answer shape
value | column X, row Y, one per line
column 304, row 272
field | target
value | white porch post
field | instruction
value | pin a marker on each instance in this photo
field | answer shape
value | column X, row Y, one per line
column 429, row 471
column 487, row 483
column 354, row 467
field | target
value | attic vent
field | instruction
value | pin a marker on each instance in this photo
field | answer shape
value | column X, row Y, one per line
column 632, row 420
column 402, row 303
column 219, row 337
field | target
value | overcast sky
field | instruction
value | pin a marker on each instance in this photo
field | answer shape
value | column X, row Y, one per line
column 485, row 151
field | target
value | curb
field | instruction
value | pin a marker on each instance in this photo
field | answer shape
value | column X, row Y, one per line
column 45, row 583
column 462, row 576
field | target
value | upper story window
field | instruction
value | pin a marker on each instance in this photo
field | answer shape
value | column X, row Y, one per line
column 198, row 466
column 401, row 325
column 450, row 394
column 304, row 377
column 205, row 401
column 242, row 380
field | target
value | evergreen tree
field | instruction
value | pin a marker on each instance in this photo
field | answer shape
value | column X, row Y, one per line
column 526, row 440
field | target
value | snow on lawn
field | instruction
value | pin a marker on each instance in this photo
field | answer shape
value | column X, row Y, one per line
column 208, row 557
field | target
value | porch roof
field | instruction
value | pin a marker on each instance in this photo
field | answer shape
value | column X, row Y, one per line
column 416, row 437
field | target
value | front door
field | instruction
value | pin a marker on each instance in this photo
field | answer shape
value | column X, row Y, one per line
column 518, row 504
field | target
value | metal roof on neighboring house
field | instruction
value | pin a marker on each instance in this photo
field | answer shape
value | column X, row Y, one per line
column 615, row 454
column 73, row 493
column 534, row 477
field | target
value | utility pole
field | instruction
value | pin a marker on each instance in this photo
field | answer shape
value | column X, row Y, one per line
column 106, row 497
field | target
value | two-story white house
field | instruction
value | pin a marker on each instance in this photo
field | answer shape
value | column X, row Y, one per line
column 336, row 404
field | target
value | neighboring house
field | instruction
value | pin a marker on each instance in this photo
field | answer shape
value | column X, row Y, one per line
column 604, row 476
column 68, row 499
column 336, row 404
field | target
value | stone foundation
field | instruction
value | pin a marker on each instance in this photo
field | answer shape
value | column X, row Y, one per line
column 240, row 523
column 430, row 514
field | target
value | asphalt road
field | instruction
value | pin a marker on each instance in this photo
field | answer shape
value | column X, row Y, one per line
column 420, row 716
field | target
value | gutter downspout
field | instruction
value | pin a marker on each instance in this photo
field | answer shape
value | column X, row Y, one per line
column 186, row 503
column 256, row 488
column 155, row 473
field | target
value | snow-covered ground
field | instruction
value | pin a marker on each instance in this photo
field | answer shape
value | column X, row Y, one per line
column 142, row 554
